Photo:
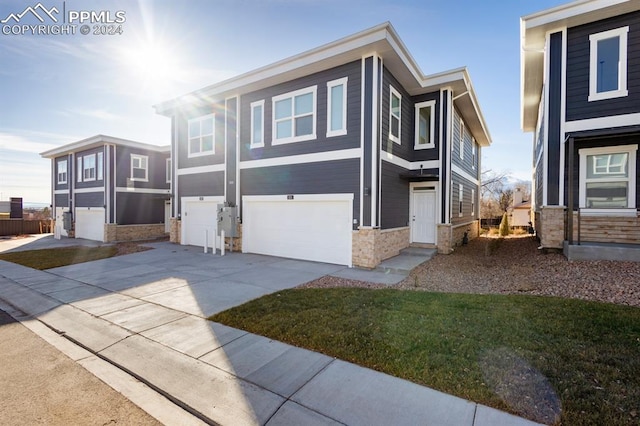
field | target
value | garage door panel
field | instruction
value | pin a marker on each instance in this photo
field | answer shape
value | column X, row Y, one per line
column 310, row 230
column 89, row 223
column 199, row 218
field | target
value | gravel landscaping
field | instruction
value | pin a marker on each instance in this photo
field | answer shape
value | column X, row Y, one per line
column 515, row 266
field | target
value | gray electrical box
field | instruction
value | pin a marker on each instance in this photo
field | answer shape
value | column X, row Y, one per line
column 227, row 220
column 67, row 221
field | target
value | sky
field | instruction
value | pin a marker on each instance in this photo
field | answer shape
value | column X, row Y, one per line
column 61, row 88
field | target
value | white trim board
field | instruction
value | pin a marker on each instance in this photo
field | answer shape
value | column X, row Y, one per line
column 298, row 197
column 143, row 190
column 201, row 169
column 457, row 170
column 343, row 154
column 89, row 190
column 603, row 122
column 409, row 165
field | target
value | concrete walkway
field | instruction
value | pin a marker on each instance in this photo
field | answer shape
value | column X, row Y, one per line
column 145, row 313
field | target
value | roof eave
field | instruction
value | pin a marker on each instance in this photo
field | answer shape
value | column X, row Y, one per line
column 98, row 140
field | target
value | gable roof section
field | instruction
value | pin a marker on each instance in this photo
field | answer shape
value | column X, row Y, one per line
column 533, row 31
column 381, row 40
column 99, row 140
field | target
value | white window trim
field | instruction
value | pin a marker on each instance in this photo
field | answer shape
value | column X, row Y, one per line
column 432, row 125
column 66, row 172
column 100, row 165
column 392, row 137
column 460, row 200
column 201, row 153
column 313, row 90
column 84, row 168
column 253, row 143
column 622, row 91
column 79, row 169
column 141, row 157
column 461, row 142
column 631, row 199
column 473, row 203
column 330, row 85
column 167, row 171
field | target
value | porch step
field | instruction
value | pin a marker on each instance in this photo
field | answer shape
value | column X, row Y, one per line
column 407, row 260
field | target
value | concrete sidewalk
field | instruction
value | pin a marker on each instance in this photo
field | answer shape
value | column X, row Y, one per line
column 145, row 314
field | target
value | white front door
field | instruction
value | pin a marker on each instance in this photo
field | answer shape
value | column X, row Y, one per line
column 423, row 216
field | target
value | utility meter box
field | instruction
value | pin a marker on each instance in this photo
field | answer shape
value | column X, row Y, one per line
column 227, row 220
column 67, row 221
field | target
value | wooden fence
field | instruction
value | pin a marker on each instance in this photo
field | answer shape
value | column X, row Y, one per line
column 23, row 226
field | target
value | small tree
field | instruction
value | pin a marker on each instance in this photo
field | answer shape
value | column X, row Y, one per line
column 504, row 225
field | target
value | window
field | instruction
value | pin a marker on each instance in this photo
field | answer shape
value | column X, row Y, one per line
column 257, row 124
column 460, row 194
column 474, row 153
column 608, row 64
column 461, row 139
column 473, row 202
column 425, row 123
column 608, row 177
column 139, row 168
column 62, row 171
column 168, row 170
column 201, row 135
column 79, row 169
column 89, row 167
column 337, row 107
column 294, row 116
column 395, row 115
column 100, row 165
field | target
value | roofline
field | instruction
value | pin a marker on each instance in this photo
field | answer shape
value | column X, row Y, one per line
column 102, row 139
column 384, row 33
column 566, row 11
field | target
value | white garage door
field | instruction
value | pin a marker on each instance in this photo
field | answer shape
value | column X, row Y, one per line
column 90, row 223
column 308, row 227
column 199, row 219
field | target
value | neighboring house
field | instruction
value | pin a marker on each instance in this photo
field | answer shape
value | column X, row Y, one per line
column 345, row 154
column 115, row 189
column 520, row 210
column 580, row 81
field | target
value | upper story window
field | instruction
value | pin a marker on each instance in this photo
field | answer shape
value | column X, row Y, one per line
column 62, row 172
column 608, row 177
column 473, row 202
column 294, row 116
column 474, row 153
column 89, row 167
column 461, row 149
column 425, row 124
column 201, row 135
column 257, row 124
column 139, row 168
column 395, row 115
column 100, row 165
column 168, row 170
column 337, row 107
column 79, row 169
column 608, row 64
column 460, row 195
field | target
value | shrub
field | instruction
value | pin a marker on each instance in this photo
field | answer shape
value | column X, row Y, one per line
column 504, row 226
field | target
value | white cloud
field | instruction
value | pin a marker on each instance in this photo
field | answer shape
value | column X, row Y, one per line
column 99, row 113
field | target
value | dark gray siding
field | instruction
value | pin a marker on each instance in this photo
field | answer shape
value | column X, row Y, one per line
column 90, row 184
column 539, row 174
column 232, row 153
column 61, row 200
column 136, row 209
column 182, row 130
column 156, row 173
column 331, row 177
column 578, row 107
column 407, row 133
column 201, row 185
column 110, row 183
column 554, row 137
column 468, row 163
column 395, row 197
column 351, row 140
column 367, row 137
column 90, row 199
column 466, row 200
column 596, row 143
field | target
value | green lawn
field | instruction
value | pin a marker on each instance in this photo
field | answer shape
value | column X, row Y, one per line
column 538, row 357
column 53, row 258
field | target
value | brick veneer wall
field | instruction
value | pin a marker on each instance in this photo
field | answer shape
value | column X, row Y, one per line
column 551, row 227
column 175, row 230
column 113, row 232
column 390, row 241
column 363, row 252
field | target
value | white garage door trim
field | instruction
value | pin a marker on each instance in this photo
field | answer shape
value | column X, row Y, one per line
column 187, row 237
column 89, row 223
column 333, row 239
